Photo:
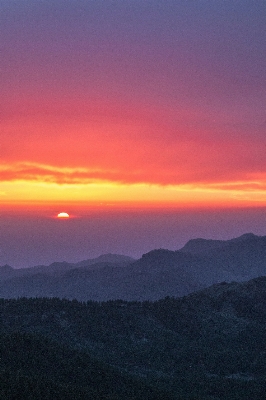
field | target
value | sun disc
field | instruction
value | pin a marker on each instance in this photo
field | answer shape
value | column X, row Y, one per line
column 63, row 215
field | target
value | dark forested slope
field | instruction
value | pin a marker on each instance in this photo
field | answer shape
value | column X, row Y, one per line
column 208, row 345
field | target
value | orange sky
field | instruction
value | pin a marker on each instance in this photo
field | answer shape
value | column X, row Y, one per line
column 127, row 112
column 137, row 159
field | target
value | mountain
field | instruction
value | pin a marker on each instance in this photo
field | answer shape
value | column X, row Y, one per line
column 243, row 257
column 207, row 246
column 208, row 345
column 56, row 268
column 6, row 272
column 103, row 282
column 158, row 273
column 106, row 258
column 36, row 367
column 201, row 246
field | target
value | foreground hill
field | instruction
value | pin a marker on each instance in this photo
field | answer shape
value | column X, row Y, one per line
column 35, row 367
column 208, row 345
column 157, row 274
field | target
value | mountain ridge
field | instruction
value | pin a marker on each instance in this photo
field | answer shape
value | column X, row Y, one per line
column 156, row 274
column 200, row 245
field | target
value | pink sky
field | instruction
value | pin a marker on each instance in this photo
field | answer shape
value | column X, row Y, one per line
column 127, row 93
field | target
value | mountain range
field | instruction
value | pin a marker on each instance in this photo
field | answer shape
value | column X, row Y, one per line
column 158, row 273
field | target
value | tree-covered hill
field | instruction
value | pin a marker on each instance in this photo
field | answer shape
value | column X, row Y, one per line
column 208, row 345
column 35, row 367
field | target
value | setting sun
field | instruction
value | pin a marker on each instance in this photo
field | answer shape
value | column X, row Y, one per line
column 63, row 215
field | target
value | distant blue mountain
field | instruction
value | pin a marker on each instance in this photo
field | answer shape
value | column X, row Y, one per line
column 158, row 273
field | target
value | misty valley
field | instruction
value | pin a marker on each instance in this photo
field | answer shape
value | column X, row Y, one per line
column 186, row 324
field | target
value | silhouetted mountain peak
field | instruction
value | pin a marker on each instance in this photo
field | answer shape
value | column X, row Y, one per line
column 244, row 237
column 157, row 253
column 199, row 246
column 107, row 258
column 5, row 267
column 165, row 258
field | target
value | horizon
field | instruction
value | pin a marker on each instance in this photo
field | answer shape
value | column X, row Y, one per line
column 133, row 258
column 27, row 239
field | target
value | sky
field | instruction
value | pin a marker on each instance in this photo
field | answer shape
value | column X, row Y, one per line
column 136, row 108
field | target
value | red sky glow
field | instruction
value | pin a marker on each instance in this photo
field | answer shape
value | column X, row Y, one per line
column 155, row 102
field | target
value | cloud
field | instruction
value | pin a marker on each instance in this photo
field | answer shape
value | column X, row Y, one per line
column 40, row 173
column 244, row 186
column 28, row 171
column 155, row 148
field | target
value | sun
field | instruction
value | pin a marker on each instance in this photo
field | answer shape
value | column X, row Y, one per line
column 63, row 215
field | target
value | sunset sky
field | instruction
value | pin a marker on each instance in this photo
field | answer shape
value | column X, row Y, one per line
column 132, row 103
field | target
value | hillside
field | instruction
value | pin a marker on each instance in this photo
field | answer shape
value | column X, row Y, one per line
column 208, row 345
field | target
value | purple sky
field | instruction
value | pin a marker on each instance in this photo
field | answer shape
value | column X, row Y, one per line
column 28, row 241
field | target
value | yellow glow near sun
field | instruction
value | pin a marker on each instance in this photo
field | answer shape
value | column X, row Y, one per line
column 29, row 192
column 63, row 215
